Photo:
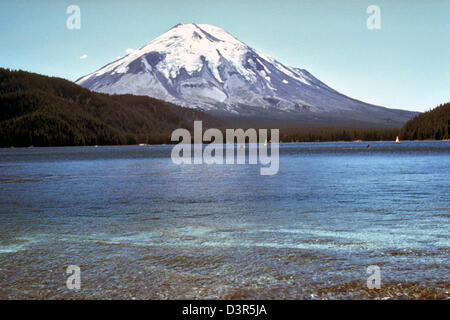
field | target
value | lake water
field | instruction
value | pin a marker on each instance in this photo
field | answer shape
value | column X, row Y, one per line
column 142, row 227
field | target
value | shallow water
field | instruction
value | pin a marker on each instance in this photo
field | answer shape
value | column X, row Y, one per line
column 141, row 227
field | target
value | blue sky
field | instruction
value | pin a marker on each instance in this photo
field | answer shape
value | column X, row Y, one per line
column 405, row 64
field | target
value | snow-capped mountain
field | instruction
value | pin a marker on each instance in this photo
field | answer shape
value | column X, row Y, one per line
column 202, row 66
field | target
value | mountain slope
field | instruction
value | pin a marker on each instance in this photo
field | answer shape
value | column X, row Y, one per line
column 43, row 111
column 202, row 66
column 433, row 124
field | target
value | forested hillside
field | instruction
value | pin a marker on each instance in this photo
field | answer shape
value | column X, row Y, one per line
column 45, row 111
column 433, row 124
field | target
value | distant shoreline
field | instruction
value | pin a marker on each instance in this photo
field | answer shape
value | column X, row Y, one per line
column 170, row 144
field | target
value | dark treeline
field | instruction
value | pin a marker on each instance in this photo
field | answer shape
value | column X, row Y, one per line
column 316, row 134
column 44, row 111
column 328, row 134
column 433, row 124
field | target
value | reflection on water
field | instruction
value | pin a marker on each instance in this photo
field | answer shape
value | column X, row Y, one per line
column 142, row 227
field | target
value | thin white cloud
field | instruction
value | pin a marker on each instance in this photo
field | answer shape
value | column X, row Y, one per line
column 84, row 56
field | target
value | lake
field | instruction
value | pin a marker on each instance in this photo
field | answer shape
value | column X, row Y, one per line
column 141, row 227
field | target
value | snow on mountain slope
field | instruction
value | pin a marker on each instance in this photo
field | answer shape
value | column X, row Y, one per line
column 203, row 66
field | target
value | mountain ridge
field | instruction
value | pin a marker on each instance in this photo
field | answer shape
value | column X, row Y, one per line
column 202, row 66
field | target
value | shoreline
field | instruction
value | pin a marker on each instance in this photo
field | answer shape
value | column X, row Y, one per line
column 169, row 144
